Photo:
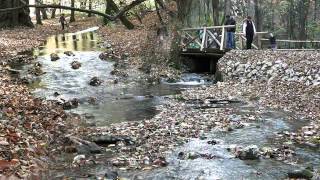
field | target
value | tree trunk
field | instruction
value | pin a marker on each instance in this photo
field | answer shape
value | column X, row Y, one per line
column 44, row 13
column 215, row 12
column 159, row 13
column 18, row 17
column 227, row 7
column 72, row 18
column 291, row 21
column 303, row 19
column 315, row 10
column 38, row 16
column 53, row 13
column 123, row 19
column 257, row 15
column 108, row 10
column 272, row 15
column 90, row 8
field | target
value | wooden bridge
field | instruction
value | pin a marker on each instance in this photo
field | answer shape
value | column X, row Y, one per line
column 211, row 41
column 208, row 44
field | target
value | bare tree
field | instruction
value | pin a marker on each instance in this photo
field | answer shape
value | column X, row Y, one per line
column 72, row 18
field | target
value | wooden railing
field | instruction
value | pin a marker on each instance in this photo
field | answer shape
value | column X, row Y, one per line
column 242, row 39
column 293, row 44
column 214, row 37
column 205, row 37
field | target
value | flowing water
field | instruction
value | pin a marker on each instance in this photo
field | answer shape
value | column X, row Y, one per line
column 134, row 100
column 128, row 101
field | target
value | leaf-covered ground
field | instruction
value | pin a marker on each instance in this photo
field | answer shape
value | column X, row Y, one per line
column 29, row 127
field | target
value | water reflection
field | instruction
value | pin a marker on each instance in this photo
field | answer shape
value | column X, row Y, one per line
column 69, row 42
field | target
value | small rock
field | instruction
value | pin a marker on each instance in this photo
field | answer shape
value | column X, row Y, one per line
column 92, row 100
column 95, row 81
column 69, row 53
column 79, row 160
column 111, row 175
column 107, row 139
column 56, row 94
column 74, row 103
column 70, row 149
column 54, row 57
column 212, row 142
column 75, row 65
column 161, row 161
column 249, row 153
column 192, row 155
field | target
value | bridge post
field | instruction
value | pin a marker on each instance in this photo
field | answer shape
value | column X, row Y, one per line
column 259, row 41
column 204, row 39
column 222, row 38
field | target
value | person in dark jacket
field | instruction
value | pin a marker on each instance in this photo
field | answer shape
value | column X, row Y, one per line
column 273, row 41
column 249, row 31
column 62, row 20
column 230, row 32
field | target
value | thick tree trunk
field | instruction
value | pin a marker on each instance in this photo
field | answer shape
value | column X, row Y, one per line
column 19, row 17
column 72, row 18
column 193, row 13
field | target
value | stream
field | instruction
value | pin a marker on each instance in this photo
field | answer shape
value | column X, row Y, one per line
column 134, row 100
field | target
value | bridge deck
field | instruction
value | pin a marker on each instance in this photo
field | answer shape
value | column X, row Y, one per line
column 208, row 52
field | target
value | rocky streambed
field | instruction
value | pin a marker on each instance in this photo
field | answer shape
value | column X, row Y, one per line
column 257, row 128
column 261, row 123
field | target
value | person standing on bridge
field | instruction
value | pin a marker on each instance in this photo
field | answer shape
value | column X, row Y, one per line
column 249, row 31
column 230, row 32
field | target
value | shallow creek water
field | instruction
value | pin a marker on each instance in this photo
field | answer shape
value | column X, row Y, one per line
column 135, row 100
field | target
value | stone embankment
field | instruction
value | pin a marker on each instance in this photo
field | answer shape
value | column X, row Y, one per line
column 284, row 80
column 268, row 66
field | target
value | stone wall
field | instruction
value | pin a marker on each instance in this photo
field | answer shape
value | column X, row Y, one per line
column 293, row 66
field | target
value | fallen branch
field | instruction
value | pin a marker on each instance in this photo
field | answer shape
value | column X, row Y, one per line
column 109, row 17
column 71, row 8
